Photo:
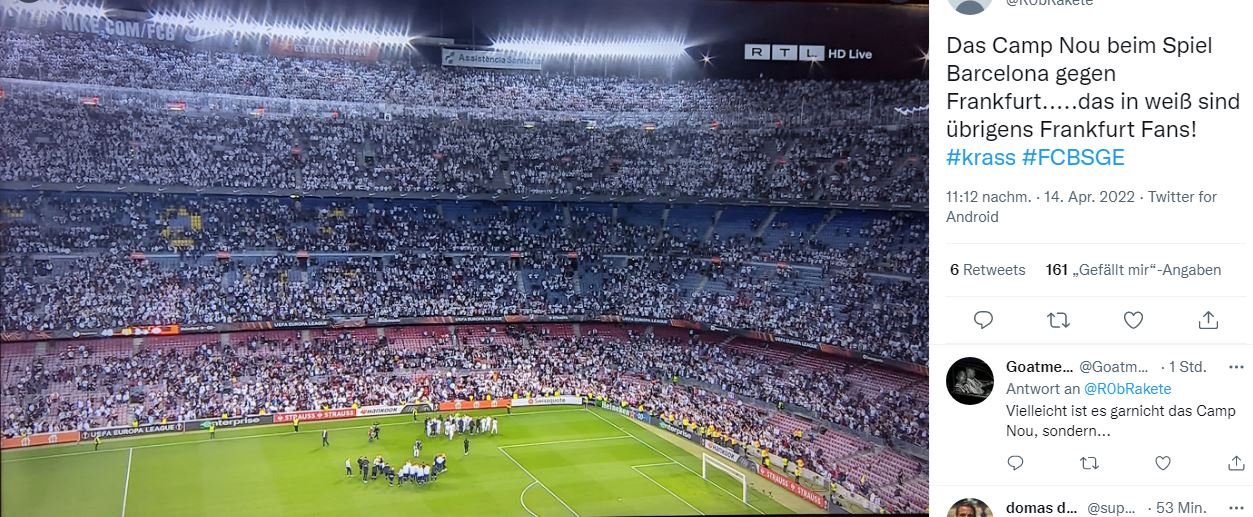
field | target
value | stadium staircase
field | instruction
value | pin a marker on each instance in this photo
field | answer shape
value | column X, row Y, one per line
column 297, row 165
column 576, row 282
column 700, row 287
column 830, row 173
column 825, row 221
column 661, row 229
column 365, row 155
column 765, row 225
column 780, row 158
column 710, row 231
column 501, row 176
column 899, row 167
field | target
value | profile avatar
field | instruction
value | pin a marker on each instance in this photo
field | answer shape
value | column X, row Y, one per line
column 970, row 6
column 969, row 508
column 969, row 381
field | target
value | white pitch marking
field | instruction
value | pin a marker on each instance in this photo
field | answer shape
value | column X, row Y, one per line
column 541, row 483
column 522, row 498
column 689, row 469
column 663, row 487
column 130, row 453
column 16, row 460
column 580, row 440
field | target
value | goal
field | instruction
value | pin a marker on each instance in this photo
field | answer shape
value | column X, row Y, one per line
column 707, row 461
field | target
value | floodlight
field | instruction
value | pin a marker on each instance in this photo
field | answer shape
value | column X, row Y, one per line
column 46, row 7
column 637, row 48
column 170, row 19
column 83, row 9
column 210, row 23
column 218, row 24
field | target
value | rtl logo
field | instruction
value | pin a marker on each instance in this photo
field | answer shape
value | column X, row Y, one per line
column 812, row 53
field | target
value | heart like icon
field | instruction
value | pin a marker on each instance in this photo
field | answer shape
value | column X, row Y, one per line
column 1133, row 319
column 1163, row 462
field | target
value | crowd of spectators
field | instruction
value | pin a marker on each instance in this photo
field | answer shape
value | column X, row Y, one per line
column 53, row 137
column 78, row 387
column 85, row 58
column 195, row 225
column 852, row 310
column 860, row 291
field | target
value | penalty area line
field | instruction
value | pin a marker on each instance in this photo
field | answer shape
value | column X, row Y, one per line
column 654, row 464
column 529, row 413
column 558, row 442
column 637, row 470
column 671, row 458
column 537, row 481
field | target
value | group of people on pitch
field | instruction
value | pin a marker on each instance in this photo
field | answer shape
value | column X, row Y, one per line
column 459, row 423
column 418, row 473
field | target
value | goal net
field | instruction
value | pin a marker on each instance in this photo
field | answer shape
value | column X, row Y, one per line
column 709, row 465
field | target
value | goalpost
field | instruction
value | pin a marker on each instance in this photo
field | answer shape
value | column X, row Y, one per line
column 707, row 461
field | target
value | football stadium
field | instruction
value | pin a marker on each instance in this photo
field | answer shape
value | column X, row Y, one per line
column 463, row 258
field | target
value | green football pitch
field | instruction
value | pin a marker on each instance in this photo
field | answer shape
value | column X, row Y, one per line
column 545, row 461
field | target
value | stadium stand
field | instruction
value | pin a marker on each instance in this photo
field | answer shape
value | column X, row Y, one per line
column 79, row 280
column 186, row 119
